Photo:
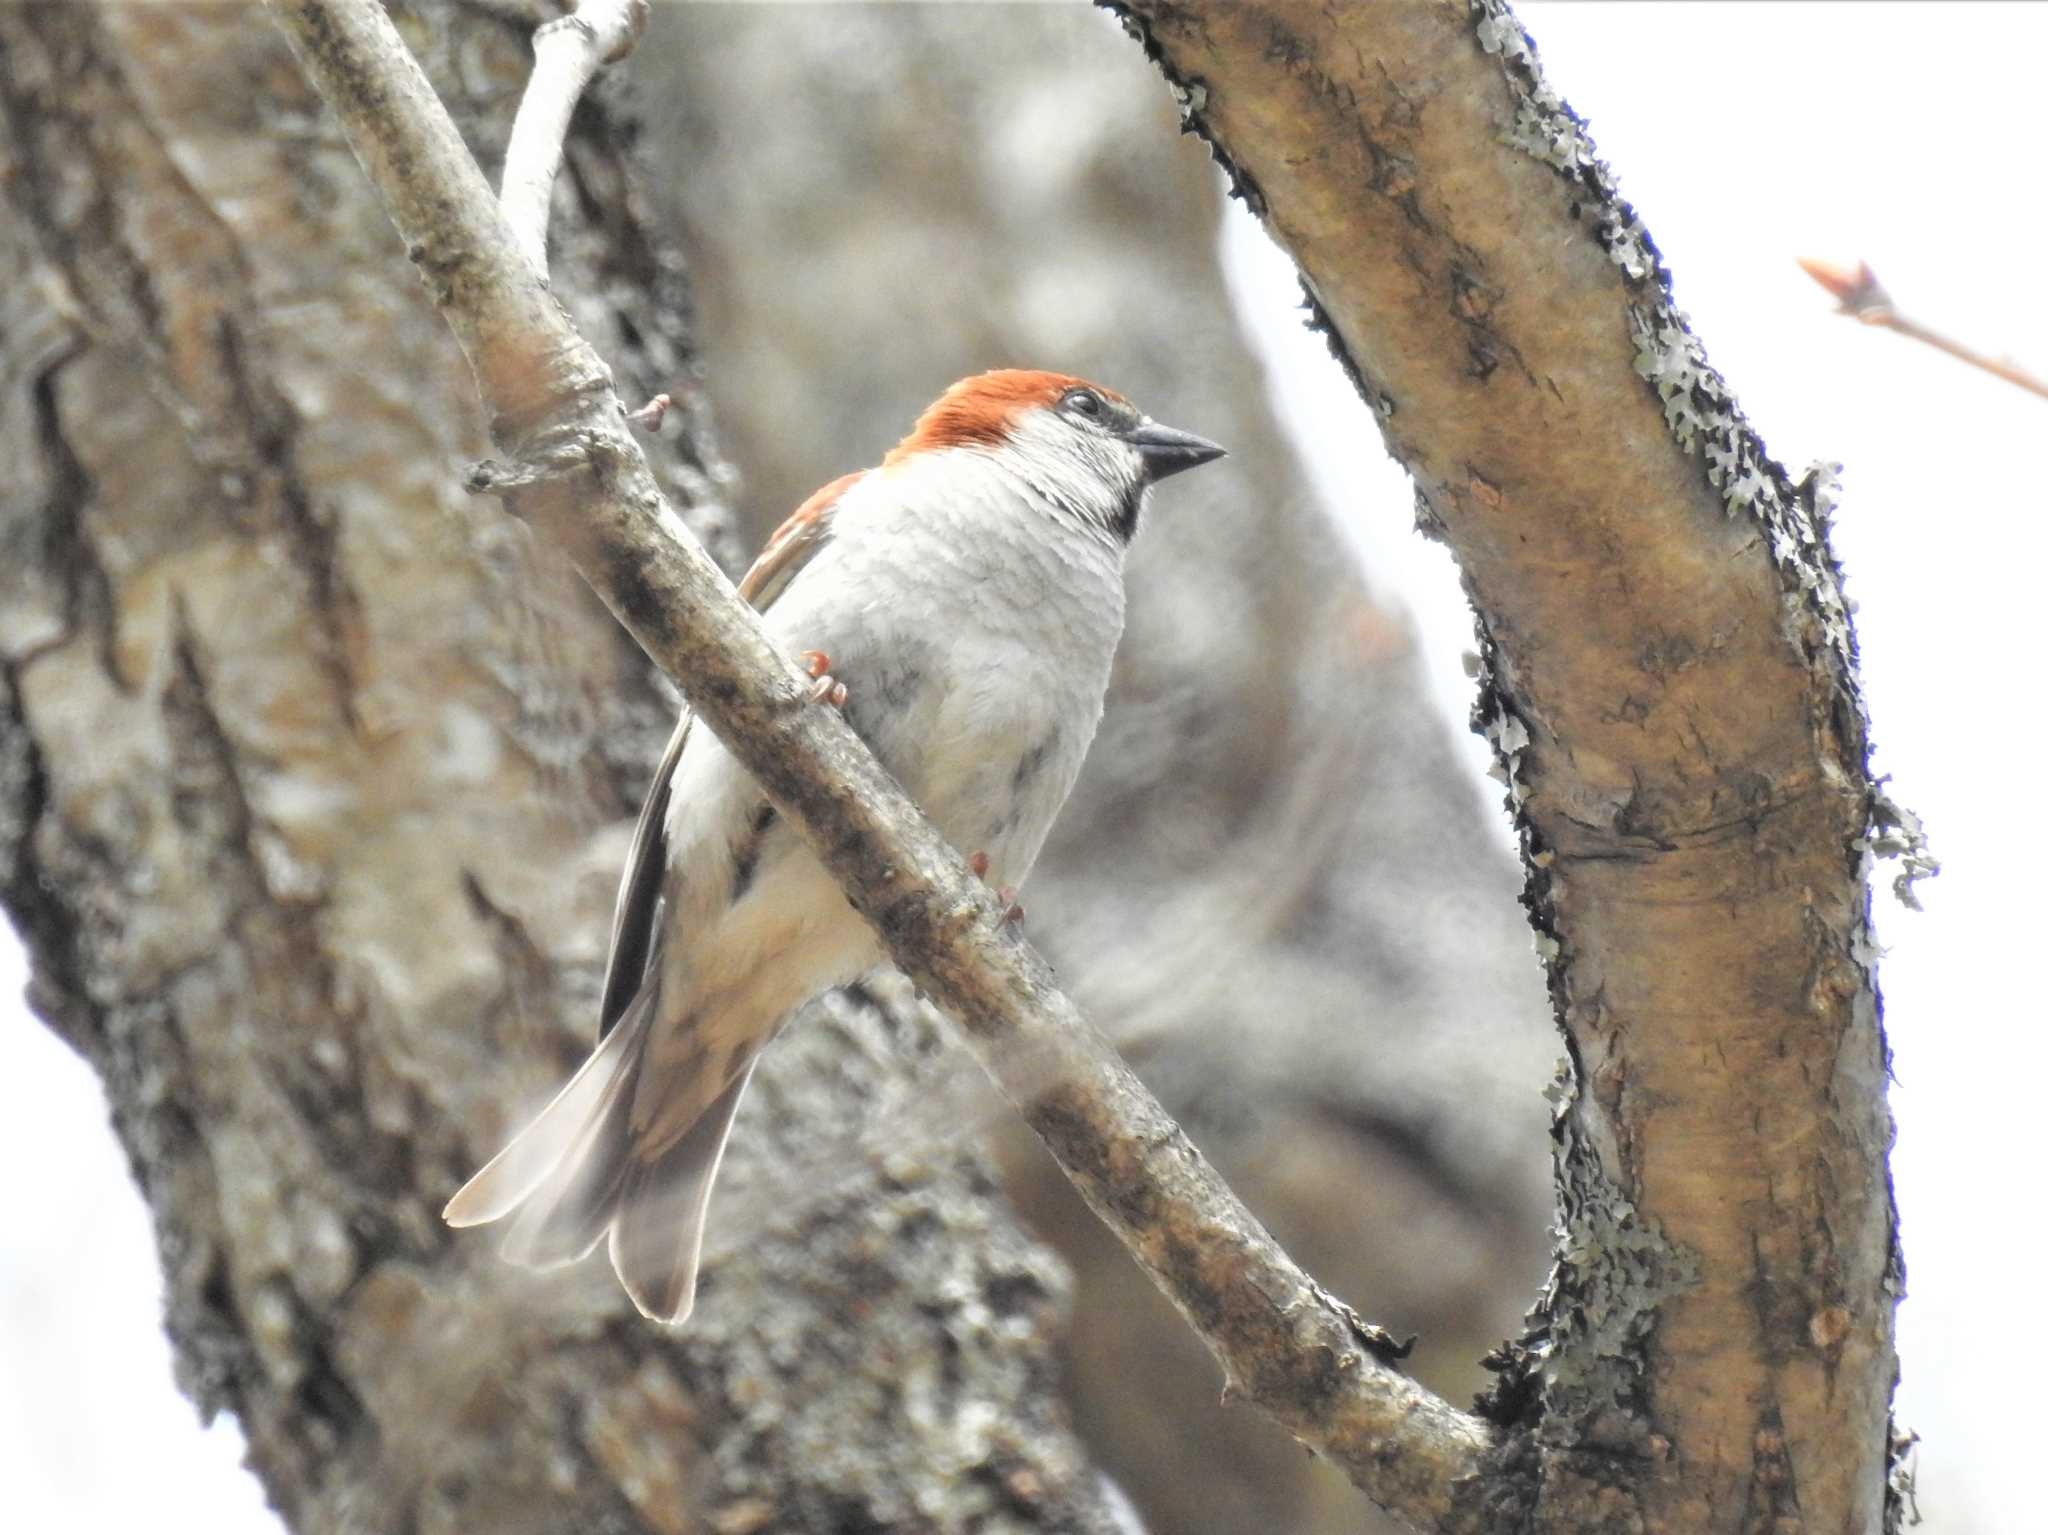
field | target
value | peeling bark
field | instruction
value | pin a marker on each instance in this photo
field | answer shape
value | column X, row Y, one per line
column 1670, row 682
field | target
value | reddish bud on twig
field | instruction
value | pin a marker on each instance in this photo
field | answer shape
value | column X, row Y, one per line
column 1859, row 292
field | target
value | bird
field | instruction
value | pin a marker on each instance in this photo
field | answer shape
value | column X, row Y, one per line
column 961, row 603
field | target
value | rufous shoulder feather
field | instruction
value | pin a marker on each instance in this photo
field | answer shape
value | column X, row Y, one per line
column 791, row 546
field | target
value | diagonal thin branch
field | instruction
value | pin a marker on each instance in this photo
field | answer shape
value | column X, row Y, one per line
column 1864, row 298
column 577, row 474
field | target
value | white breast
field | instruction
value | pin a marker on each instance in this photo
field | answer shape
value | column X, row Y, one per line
column 974, row 626
column 974, row 631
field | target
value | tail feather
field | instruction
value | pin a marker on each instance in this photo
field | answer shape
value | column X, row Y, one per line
column 538, row 1153
column 576, row 1173
column 567, row 1214
column 658, row 1228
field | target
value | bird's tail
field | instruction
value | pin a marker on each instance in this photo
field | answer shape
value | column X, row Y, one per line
column 579, row 1172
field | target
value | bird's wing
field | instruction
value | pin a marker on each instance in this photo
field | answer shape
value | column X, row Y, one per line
column 793, row 545
column 634, row 920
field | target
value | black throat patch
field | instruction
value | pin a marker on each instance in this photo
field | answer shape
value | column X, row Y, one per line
column 1125, row 523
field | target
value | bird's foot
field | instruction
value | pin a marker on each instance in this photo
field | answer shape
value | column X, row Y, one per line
column 1006, row 895
column 825, row 688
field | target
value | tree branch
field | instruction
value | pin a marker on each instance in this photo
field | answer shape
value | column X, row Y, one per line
column 567, row 54
column 577, row 474
column 1670, row 684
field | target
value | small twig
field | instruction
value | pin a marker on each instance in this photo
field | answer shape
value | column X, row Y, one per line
column 649, row 416
column 1864, row 298
column 567, row 54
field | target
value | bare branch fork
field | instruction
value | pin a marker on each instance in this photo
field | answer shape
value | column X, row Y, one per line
column 577, row 475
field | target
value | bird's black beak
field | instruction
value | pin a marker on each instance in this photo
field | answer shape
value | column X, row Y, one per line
column 1167, row 451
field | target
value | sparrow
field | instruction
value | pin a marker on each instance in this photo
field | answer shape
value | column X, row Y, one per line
column 961, row 603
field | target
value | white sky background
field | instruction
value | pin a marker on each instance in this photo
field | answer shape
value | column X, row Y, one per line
column 1747, row 135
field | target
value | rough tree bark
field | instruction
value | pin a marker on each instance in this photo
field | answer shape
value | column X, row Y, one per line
column 314, row 774
column 1671, row 683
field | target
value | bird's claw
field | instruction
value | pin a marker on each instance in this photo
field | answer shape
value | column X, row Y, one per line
column 1006, row 895
column 825, row 688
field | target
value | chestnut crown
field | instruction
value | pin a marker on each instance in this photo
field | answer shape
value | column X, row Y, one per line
column 1082, row 444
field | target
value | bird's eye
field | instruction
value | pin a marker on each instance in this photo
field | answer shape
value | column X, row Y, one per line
column 1084, row 402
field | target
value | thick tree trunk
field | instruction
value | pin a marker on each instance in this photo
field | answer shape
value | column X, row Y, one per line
column 314, row 772
column 1671, row 684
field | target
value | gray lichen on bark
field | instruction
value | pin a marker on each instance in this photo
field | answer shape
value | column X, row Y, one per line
column 1793, row 517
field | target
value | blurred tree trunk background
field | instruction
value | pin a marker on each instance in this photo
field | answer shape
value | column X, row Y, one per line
column 315, row 775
